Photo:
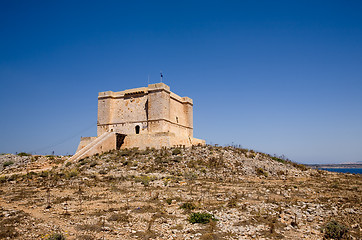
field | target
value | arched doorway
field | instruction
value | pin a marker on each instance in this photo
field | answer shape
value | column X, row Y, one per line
column 137, row 129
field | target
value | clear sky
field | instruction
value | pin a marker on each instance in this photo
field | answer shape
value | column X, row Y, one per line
column 281, row 77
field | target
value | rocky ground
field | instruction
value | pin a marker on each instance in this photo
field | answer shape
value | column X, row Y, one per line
column 163, row 194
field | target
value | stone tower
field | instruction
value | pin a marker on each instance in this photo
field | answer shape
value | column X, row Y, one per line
column 143, row 117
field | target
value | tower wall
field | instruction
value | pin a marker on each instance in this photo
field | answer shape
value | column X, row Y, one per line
column 127, row 109
column 150, row 111
column 158, row 108
column 105, row 112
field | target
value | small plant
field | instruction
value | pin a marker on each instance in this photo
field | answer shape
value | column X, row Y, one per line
column 232, row 203
column 72, row 173
column 201, row 217
column 7, row 163
column 177, row 159
column 278, row 159
column 261, row 172
column 188, row 206
column 176, row 151
column 144, row 180
column 169, row 201
column 2, row 179
column 44, row 174
column 50, row 157
column 24, row 154
column 335, row 185
column 56, row 236
column 83, row 161
column 335, row 230
column 93, row 164
column 161, row 160
column 215, row 162
column 119, row 217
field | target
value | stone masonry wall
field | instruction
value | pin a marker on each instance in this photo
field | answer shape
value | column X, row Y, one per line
column 150, row 116
column 153, row 109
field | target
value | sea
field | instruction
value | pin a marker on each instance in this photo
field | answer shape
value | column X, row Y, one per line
column 344, row 170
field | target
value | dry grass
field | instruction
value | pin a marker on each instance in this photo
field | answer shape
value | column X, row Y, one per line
column 156, row 199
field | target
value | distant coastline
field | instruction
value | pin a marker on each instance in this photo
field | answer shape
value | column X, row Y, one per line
column 343, row 165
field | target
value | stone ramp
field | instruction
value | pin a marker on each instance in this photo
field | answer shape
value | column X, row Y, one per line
column 87, row 150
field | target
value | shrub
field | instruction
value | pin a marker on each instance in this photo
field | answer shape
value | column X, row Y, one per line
column 119, row 217
column 23, row 154
column 176, row 151
column 243, row 150
column 300, row 166
column 50, row 157
column 261, row 172
column 161, row 160
column 201, row 217
column 93, row 164
column 7, row 163
column 169, row 201
column 89, row 227
column 12, row 177
column 278, row 159
column 144, row 180
column 177, row 159
column 250, row 154
column 215, row 162
column 2, row 179
column 8, row 232
column 85, row 237
column 190, row 175
column 44, row 174
column 188, row 206
column 72, row 173
column 56, row 236
column 232, row 203
column 284, row 160
column 83, row 161
column 335, row 230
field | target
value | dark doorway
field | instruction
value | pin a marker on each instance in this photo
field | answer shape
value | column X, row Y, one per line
column 137, row 129
column 119, row 140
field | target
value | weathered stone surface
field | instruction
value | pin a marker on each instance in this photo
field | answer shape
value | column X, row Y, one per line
column 150, row 116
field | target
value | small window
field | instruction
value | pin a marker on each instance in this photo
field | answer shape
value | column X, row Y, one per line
column 137, row 129
column 177, row 119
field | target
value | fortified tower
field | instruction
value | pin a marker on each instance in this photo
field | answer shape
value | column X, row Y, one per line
column 143, row 117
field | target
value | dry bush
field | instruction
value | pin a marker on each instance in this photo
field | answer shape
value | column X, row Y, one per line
column 7, row 232
column 89, row 227
column 335, row 230
column 85, row 237
column 119, row 217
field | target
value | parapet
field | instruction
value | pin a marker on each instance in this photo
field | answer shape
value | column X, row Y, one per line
column 158, row 87
column 135, row 91
column 121, row 94
column 181, row 99
column 187, row 100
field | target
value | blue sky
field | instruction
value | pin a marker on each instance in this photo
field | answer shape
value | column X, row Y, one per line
column 281, row 77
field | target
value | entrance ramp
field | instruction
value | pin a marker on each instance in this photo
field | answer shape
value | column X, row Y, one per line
column 104, row 142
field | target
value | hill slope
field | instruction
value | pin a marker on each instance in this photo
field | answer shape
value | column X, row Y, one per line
column 158, row 194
